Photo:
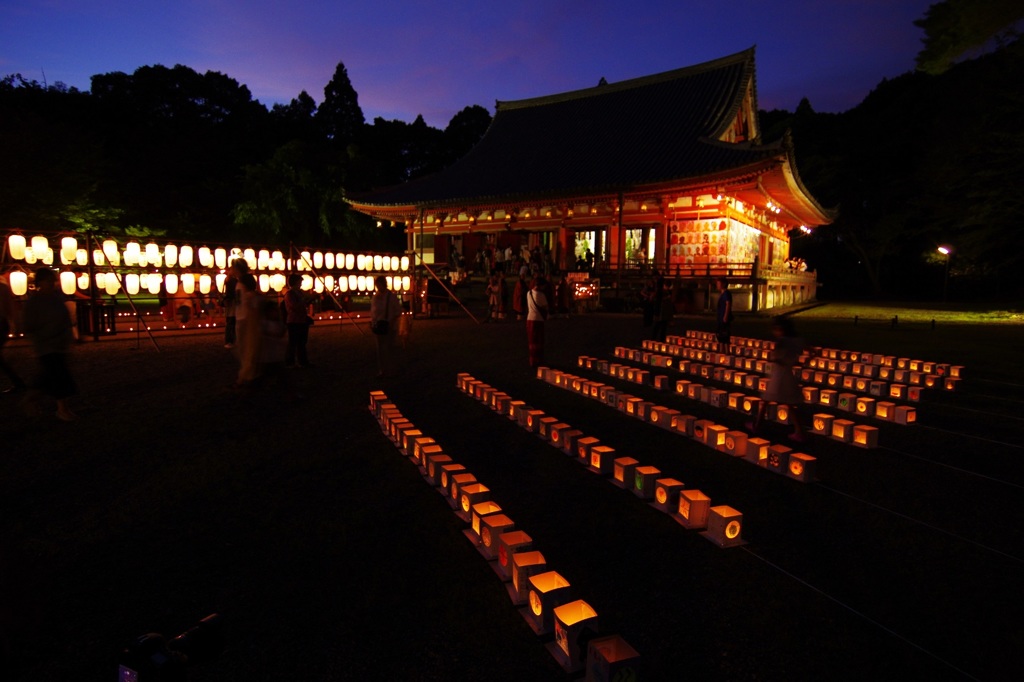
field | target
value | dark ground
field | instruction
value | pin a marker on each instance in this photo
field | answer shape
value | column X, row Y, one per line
column 331, row 559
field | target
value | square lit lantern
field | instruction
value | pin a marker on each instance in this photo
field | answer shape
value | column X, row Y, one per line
column 556, row 433
column 425, row 452
column 643, row 410
column 515, row 410
column 548, row 590
column 501, row 403
column 738, row 377
column 376, row 397
column 950, row 383
column 630, row 405
column 885, row 373
column 472, row 494
column 900, row 376
column 847, row 402
column 735, row 401
column 583, row 446
column 445, row 475
column 905, row 414
column 508, row 545
column 623, row 469
column 660, row 382
column 567, row 440
column 757, row 451
column 834, row 380
column 692, row 509
column 477, row 513
column 683, row 423
column 662, row 416
column 406, row 444
column 931, row 380
column 914, row 394
column 434, row 464
column 898, row 391
column 750, row 382
column 456, row 482
column 865, row 436
column 491, row 526
column 849, row 381
column 602, row 459
column 725, row 527
column 877, row 388
column 885, row 410
column 544, row 373
column 821, row 424
column 719, row 398
column 782, row 413
column 487, row 394
column 735, row 443
column 842, row 430
column 524, row 565
column 575, row 625
column 866, row 406
column 861, row 384
column 666, row 494
column 610, row 396
column 714, row 436
column 802, row 467
column 531, row 419
column 778, row 458
column 693, row 391
column 395, row 427
column 751, row 405
column 700, row 428
column 544, row 425
column 644, row 479
column 642, row 376
column 418, row 443
column 828, row 397
column 956, row 371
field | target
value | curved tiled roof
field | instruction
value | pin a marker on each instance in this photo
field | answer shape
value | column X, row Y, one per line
column 610, row 138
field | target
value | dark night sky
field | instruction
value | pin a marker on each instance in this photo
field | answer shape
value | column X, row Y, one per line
column 410, row 57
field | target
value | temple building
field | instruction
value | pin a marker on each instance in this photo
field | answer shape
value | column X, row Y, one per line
column 667, row 171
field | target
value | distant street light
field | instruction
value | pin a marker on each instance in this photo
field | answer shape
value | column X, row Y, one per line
column 946, row 251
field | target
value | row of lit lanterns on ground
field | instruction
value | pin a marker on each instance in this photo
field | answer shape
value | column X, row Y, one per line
column 39, row 251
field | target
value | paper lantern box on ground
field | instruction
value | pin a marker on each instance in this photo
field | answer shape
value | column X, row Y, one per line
column 802, row 467
column 433, row 469
column 692, row 509
column 509, row 544
column 623, row 469
column 644, row 478
column 666, row 494
column 583, row 447
column 491, row 526
column 725, row 526
column 524, row 565
column 548, row 591
column 575, row 626
column 477, row 514
column 602, row 459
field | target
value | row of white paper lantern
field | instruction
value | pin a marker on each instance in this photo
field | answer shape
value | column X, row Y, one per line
column 188, row 283
column 134, row 255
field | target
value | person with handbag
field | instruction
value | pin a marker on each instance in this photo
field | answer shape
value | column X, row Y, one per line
column 385, row 309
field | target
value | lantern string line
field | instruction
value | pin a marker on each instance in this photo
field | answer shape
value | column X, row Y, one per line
column 862, row 615
column 330, row 293
column 925, row 524
column 956, row 469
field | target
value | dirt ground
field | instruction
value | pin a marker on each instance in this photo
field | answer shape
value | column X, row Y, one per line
column 329, row 557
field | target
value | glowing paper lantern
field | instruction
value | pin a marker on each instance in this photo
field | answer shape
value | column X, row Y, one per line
column 220, row 258
column 132, row 251
column 307, row 283
column 329, row 282
column 83, row 281
column 305, row 260
column 525, row 565
column 131, row 282
column 575, row 622
column 82, row 257
column 318, row 285
column 16, row 246
column 318, row 260
column 205, row 257
column 171, row 283
column 249, row 255
column 263, row 259
column 110, row 284
column 508, row 545
column 218, row 282
column 395, row 262
column 153, row 254
column 277, row 260
column 406, row 283
column 68, row 250
column 548, row 590
column 343, row 284
column 277, row 281
column 46, row 257
column 68, row 282
column 725, row 526
column 692, row 509
column 350, row 261
column 39, row 244
column 644, row 478
column 19, row 282
column 405, row 263
column 188, row 283
column 171, row 255
column 491, row 526
column 153, row 284
column 111, row 251
column 204, row 284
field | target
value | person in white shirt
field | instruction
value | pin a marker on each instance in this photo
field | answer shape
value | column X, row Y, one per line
column 537, row 314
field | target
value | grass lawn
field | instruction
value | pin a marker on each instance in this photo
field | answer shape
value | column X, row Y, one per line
column 330, row 558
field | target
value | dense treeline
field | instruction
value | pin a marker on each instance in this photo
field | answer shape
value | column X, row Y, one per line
column 925, row 160
column 169, row 151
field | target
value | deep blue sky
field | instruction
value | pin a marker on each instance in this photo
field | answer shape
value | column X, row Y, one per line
column 432, row 57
